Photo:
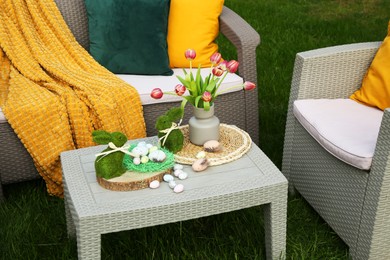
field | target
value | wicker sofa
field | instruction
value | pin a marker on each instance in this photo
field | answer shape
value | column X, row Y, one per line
column 354, row 202
column 238, row 108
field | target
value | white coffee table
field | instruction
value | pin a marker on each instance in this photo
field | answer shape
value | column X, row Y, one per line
column 249, row 181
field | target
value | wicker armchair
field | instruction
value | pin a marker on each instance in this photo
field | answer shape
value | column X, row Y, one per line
column 238, row 108
column 355, row 203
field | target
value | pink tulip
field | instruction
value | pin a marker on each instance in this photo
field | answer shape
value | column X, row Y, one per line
column 216, row 58
column 217, row 71
column 222, row 65
column 232, row 66
column 190, row 54
column 249, row 85
column 206, row 96
column 156, row 93
column 180, row 89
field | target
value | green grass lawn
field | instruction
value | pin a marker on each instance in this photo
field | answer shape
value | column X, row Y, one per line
column 32, row 224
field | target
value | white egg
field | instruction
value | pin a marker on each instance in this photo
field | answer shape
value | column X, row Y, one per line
column 141, row 143
column 154, row 184
column 172, row 184
column 178, row 167
column 168, row 178
column 136, row 160
column 178, row 188
column 183, row 176
column 149, row 146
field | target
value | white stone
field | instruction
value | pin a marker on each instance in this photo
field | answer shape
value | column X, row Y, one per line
column 178, row 188
column 172, row 184
column 154, row 184
column 178, row 167
column 177, row 172
column 168, row 178
column 183, row 176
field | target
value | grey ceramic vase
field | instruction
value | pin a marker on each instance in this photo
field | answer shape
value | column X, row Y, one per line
column 203, row 126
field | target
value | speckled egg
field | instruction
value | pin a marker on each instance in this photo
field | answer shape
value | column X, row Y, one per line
column 212, row 146
column 154, row 184
column 200, row 165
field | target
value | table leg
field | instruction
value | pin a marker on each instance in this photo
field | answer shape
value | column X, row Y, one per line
column 275, row 218
column 88, row 244
column 1, row 191
column 69, row 220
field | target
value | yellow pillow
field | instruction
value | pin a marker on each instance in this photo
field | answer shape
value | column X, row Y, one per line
column 193, row 24
column 375, row 89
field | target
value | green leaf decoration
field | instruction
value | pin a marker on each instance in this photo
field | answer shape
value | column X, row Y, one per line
column 197, row 100
column 183, row 105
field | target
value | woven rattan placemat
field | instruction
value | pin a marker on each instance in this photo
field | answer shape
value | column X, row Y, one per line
column 235, row 143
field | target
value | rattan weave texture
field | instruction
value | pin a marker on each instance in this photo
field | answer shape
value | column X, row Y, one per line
column 355, row 203
column 239, row 108
column 250, row 181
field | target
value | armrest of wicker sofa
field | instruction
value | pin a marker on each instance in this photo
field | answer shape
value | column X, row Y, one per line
column 376, row 227
column 245, row 39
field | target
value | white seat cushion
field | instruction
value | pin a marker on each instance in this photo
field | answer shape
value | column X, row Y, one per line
column 145, row 84
column 345, row 128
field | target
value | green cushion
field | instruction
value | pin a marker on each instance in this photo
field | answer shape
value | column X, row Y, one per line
column 130, row 37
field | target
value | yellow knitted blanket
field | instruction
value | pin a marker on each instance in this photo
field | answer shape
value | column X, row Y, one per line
column 52, row 92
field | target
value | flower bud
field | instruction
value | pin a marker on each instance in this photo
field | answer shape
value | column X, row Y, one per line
column 190, row 54
column 232, row 66
column 156, row 93
column 217, row 71
column 215, row 58
column 180, row 89
column 249, row 85
column 206, row 96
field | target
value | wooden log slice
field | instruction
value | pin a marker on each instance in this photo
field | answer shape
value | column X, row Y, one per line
column 131, row 180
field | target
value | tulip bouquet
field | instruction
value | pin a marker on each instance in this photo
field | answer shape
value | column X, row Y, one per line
column 203, row 92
